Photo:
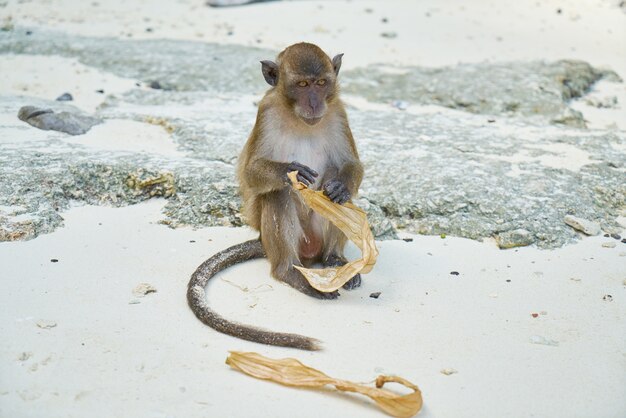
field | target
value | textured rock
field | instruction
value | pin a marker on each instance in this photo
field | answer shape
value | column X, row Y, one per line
column 515, row 238
column 534, row 89
column 47, row 119
column 582, row 225
column 428, row 170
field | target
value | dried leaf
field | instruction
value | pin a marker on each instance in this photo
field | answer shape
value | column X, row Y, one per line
column 352, row 221
column 291, row 372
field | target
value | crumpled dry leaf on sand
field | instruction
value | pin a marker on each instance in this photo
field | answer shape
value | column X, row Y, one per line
column 291, row 372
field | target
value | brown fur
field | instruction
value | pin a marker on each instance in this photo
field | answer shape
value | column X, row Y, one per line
column 309, row 124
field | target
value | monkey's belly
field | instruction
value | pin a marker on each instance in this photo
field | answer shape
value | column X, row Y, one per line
column 310, row 245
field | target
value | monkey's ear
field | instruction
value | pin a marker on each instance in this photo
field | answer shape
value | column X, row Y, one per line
column 337, row 63
column 270, row 72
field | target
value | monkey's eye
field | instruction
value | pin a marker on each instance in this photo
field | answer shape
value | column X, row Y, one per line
column 321, row 82
column 303, row 84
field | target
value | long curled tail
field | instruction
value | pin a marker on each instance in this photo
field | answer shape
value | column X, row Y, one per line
column 196, row 297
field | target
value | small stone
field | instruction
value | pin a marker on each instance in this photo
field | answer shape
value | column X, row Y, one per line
column 65, row 97
column 47, row 119
column 400, row 104
column 407, row 239
column 101, row 91
column 516, row 238
column 454, row 273
column 143, row 289
column 384, row 20
column 25, row 356
column 607, row 298
column 491, row 120
column 155, row 85
column 44, row 324
column 608, row 244
column 389, row 35
column 448, row 371
column 375, row 295
column 583, row 225
column 538, row 339
column 534, row 315
column 54, row 260
column 624, row 240
column 616, row 236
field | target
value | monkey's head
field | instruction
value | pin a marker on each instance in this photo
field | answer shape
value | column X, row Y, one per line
column 306, row 77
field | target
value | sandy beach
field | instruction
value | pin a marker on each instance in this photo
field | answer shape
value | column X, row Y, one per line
column 522, row 332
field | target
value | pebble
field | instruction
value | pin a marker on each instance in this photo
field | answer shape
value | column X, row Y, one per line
column 583, row 225
column 65, row 97
column 389, row 35
column 448, row 371
column 155, row 85
column 143, row 289
column 616, row 236
column 607, row 298
column 400, row 104
column 407, row 239
column 43, row 324
column 454, row 273
column 375, row 295
column 538, row 339
column 609, row 244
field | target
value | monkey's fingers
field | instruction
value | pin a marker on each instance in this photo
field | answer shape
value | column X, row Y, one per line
column 303, row 170
column 307, row 181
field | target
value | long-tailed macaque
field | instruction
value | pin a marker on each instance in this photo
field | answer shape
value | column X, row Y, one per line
column 301, row 126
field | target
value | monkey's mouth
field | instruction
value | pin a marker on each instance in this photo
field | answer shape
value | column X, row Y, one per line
column 312, row 121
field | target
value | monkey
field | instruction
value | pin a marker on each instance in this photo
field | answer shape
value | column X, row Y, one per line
column 301, row 125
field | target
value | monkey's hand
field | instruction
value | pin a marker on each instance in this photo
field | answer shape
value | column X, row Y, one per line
column 305, row 175
column 336, row 191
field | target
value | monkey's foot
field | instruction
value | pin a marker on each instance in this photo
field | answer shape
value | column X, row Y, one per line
column 296, row 280
column 334, row 260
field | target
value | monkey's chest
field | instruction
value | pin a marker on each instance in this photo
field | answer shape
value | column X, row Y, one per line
column 312, row 153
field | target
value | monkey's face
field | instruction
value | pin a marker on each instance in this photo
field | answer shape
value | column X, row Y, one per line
column 309, row 96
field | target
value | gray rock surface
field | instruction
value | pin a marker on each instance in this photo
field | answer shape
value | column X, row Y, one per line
column 72, row 123
column 532, row 89
column 432, row 170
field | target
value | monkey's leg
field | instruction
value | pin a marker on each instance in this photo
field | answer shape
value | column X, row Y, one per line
column 334, row 243
column 281, row 233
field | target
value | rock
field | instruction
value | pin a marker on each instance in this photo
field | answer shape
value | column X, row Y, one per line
column 143, row 289
column 583, row 225
column 538, row 339
column 389, row 35
column 607, row 298
column 44, row 324
column 515, row 238
column 448, row 371
column 609, row 244
column 375, row 295
column 65, row 97
column 47, row 119
column 400, row 104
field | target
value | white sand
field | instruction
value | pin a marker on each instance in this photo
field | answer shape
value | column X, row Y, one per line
column 107, row 357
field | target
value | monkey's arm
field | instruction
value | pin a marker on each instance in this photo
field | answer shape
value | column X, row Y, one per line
column 264, row 176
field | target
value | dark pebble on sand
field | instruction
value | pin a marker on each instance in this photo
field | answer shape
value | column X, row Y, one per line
column 101, row 91
column 375, row 295
column 454, row 273
column 616, row 236
column 192, row 241
column 155, row 85
column 606, row 235
column 407, row 239
column 491, row 120
column 65, row 97
column 508, row 280
column 54, row 260
column 29, row 32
